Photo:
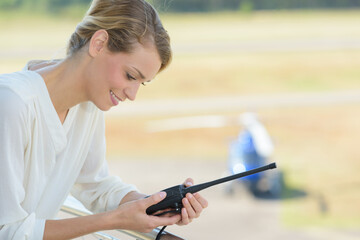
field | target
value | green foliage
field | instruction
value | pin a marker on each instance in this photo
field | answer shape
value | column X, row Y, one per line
column 42, row 5
column 246, row 6
column 9, row 3
column 249, row 5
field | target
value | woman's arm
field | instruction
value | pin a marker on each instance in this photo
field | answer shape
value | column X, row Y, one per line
column 130, row 215
column 74, row 227
column 131, row 196
column 16, row 221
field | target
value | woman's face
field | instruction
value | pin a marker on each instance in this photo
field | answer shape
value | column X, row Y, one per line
column 115, row 77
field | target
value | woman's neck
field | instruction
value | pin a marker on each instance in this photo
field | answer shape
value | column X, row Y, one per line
column 64, row 83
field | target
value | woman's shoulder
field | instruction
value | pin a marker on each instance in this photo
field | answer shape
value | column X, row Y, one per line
column 16, row 91
column 34, row 65
column 23, row 82
column 12, row 106
column 20, row 78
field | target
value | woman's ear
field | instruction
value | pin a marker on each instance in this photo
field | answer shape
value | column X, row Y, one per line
column 98, row 42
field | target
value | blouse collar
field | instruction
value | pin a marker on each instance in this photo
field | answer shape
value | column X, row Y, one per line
column 51, row 117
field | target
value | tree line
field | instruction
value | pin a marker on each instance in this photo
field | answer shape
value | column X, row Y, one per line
column 251, row 5
column 193, row 5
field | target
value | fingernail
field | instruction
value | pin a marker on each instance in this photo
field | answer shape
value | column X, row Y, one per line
column 189, row 184
column 162, row 194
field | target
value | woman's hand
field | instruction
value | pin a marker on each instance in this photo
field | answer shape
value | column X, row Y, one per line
column 132, row 215
column 193, row 205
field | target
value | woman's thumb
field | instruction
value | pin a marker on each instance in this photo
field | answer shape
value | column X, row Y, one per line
column 155, row 198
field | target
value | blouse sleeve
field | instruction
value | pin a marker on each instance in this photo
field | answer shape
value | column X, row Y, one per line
column 95, row 188
column 15, row 221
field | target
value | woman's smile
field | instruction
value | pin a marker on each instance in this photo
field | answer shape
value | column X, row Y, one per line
column 115, row 99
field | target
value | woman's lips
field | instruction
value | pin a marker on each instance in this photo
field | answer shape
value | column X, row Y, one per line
column 115, row 99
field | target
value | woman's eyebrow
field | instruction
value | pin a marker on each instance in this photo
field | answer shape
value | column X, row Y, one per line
column 141, row 75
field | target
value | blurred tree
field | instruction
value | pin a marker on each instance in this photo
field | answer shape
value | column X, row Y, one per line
column 246, row 6
column 212, row 5
column 193, row 5
column 9, row 3
column 32, row 5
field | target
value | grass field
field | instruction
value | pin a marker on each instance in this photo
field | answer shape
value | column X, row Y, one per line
column 315, row 146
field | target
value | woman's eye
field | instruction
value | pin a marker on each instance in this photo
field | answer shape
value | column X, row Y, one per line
column 130, row 77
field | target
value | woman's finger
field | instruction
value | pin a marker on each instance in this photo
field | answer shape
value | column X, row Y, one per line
column 204, row 203
column 195, row 205
column 188, row 182
column 184, row 217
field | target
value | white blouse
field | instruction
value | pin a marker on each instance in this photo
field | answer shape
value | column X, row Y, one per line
column 42, row 160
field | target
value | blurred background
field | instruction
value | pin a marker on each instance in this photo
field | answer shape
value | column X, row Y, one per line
column 294, row 64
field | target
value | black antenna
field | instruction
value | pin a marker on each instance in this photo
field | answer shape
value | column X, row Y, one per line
column 199, row 187
column 176, row 193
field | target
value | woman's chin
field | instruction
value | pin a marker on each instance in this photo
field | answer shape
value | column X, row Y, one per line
column 104, row 108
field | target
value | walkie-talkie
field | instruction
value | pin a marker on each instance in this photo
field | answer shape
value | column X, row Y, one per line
column 175, row 194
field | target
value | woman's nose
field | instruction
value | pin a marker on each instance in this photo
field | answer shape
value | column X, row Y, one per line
column 132, row 90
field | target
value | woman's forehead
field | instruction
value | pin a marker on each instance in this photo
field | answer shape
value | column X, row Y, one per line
column 145, row 60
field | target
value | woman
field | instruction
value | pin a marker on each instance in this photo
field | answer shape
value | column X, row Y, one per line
column 52, row 128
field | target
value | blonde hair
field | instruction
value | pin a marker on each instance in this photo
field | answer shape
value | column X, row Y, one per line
column 127, row 22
